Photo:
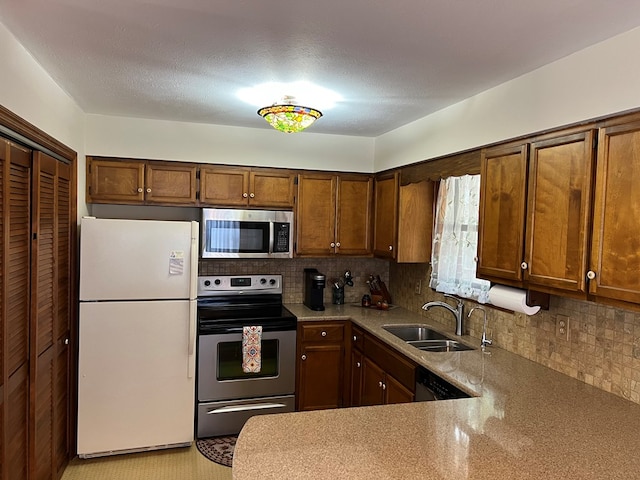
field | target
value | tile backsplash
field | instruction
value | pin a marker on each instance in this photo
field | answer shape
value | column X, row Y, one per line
column 603, row 349
column 292, row 271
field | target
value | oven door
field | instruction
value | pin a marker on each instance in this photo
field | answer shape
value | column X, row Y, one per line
column 220, row 374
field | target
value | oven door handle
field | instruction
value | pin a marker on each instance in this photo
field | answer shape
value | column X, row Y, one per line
column 244, row 408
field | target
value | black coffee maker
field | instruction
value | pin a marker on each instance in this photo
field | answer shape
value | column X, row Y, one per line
column 314, row 283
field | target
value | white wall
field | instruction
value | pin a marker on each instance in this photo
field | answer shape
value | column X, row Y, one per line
column 28, row 91
column 597, row 81
column 194, row 142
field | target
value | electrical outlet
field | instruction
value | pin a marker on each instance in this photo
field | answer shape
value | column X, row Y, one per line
column 418, row 287
column 562, row 327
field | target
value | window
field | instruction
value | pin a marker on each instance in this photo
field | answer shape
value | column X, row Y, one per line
column 455, row 239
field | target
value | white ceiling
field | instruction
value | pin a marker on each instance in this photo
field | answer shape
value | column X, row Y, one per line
column 392, row 61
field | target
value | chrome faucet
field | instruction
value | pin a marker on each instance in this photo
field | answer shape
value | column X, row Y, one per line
column 485, row 342
column 457, row 311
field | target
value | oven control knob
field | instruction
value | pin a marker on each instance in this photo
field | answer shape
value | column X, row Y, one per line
column 217, row 281
column 207, row 283
column 272, row 281
column 263, row 281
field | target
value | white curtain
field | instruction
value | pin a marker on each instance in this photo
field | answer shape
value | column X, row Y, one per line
column 455, row 239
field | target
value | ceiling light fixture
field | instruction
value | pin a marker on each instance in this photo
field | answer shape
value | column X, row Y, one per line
column 288, row 116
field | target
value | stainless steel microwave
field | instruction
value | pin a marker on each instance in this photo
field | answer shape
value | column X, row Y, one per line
column 230, row 233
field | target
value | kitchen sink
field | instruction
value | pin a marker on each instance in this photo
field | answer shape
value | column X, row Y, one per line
column 410, row 333
column 424, row 338
column 440, row 345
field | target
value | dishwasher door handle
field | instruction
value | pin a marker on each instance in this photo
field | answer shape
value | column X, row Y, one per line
column 245, row 408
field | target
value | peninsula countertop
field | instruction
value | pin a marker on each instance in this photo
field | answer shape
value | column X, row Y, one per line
column 525, row 421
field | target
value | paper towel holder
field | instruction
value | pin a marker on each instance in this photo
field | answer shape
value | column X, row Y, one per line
column 538, row 299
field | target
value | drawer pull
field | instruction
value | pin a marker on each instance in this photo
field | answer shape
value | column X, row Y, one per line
column 324, row 334
column 303, row 357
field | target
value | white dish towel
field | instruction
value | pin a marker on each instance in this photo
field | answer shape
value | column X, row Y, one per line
column 251, row 349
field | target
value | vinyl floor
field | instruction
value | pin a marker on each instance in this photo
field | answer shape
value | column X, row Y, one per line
column 174, row 464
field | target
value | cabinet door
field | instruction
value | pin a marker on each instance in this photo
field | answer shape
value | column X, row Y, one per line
column 503, row 200
column 316, row 215
column 395, row 392
column 559, row 211
column 271, row 188
column 385, row 210
column 356, row 378
column 415, row 222
column 320, row 376
column 41, row 444
column 170, row 183
column 224, row 186
column 615, row 250
column 372, row 383
column 112, row 181
column 353, row 226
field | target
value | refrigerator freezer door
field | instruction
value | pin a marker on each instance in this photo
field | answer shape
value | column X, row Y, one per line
column 137, row 259
column 135, row 376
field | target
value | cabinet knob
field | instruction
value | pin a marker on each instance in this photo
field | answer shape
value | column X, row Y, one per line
column 66, row 341
column 140, row 190
column 390, row 248
column 338, row 244
column 303, row 357
column 380, row 384
column 245, row 195
column 384, row 386
column 148, row 190
column 475, row 259
column 252, row 195
column 355, row 339
column 358, row 365
column 524, row 265
column 324, row 334
column 333, row 245
column 591, row 274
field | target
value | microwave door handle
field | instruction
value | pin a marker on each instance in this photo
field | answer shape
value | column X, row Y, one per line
column 271, row 234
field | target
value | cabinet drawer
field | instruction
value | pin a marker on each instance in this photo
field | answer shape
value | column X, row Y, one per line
column 322, row 332
column 392, row 362
column 357, row 337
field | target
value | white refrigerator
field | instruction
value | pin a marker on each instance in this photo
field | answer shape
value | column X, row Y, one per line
column 137, row 334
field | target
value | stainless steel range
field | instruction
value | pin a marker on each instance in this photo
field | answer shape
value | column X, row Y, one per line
column 226, row 395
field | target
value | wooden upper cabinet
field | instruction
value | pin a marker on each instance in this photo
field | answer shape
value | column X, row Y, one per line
column 168, row 182
column 246, row 187
column 271, row 188
column 615, row 250
column 353, row 225
column 316, row 214
column 503, row 190
column 140, row 182
column 386, row 211
column 111, row 181
column 415, row 222
column 333, row 214
column 559, row 211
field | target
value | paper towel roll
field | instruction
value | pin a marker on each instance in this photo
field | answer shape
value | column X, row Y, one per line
column 511, row 299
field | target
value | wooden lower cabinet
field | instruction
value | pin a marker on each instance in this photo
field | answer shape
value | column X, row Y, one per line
column 379, row 374
column 321, row 365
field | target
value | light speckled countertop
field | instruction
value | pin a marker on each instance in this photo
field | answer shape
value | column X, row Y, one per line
column 527, row 422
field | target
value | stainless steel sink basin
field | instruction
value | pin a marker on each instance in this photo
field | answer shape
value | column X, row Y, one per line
column 440, row 345
column 426, row 339
column 410, row 333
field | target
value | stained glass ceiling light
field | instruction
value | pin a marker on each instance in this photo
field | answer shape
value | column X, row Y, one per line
column 288, row 117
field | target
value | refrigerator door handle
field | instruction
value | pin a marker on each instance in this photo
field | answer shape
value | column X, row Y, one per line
column 191, row 365
column 193, row 280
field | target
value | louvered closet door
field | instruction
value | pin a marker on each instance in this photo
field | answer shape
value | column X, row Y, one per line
column 15, row 185
column 49, row 316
